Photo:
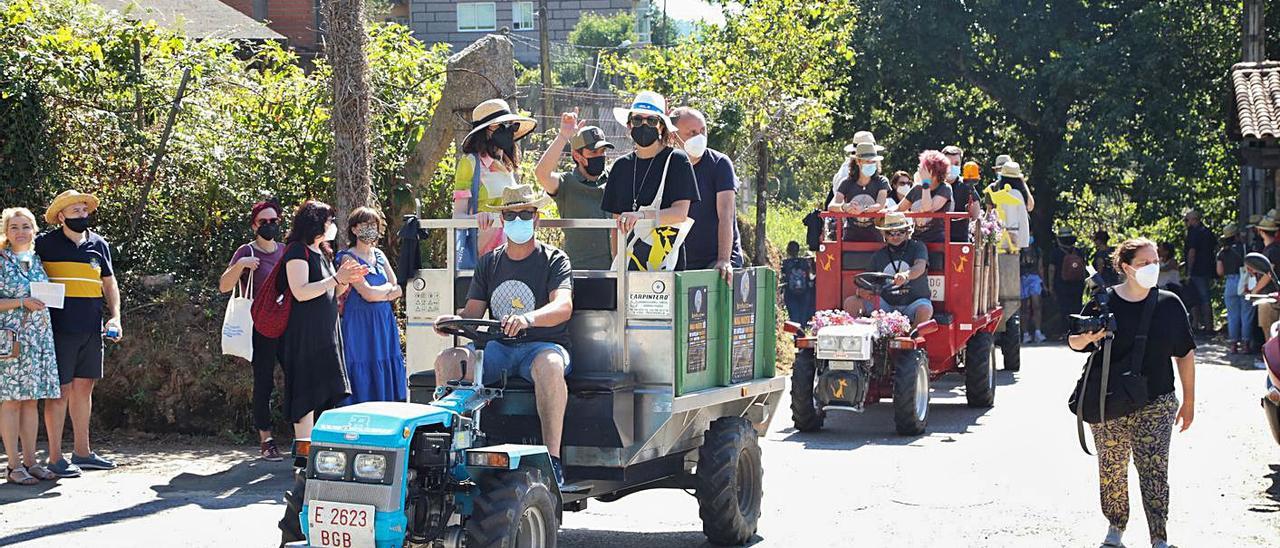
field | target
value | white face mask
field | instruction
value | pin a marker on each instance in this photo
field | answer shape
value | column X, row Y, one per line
column 330, row 232
column 696, row 146
column 1147, row 275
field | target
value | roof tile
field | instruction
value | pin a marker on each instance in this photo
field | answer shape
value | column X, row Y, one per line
column 1257, row 95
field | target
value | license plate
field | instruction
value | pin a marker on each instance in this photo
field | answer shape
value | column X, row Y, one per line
column 840, row 365
column 340, row 525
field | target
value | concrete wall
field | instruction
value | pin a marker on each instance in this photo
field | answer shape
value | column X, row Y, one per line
column 437, row 21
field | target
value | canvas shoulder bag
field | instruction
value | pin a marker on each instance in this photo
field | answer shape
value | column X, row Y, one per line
column 664, row 241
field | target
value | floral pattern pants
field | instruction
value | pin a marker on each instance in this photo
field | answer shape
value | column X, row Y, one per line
column 1145, row 433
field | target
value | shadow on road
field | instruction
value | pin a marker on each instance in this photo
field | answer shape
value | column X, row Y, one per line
column 241, row 485
column 17, row 493
column 948, row 414
column 1273, row 493
column 628, row 539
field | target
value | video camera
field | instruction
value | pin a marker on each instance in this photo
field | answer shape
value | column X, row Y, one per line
column 1079, row 324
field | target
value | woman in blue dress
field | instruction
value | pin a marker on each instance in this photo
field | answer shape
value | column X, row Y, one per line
column 370, row 334
column 28, row 372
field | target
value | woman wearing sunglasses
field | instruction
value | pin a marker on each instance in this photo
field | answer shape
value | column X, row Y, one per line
column 254, row 261
column 488, row 165
column 656, row 181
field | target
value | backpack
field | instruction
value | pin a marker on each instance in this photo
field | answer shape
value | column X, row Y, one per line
column 797, row 276
column 271, row 305
column 1073, row 266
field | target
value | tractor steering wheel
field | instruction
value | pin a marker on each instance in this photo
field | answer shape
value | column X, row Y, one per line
column 880, row 283
column 480, row 331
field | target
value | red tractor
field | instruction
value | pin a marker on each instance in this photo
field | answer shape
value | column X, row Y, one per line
column 845, row 367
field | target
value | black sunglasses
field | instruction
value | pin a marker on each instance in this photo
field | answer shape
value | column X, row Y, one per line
column 523, row 215
column 275, row 221
column 896, row 232
column 637, row 121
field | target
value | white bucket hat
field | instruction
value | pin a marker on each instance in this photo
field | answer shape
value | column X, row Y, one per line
column 859, row 138
column 649, row 103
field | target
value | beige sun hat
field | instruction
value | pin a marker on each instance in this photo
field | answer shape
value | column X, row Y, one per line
column 497, row 111
column 1001, row 160
column 867, row 152
column 894, row 220
column 860, row 138
column 519, row 197
column 66, row 199
column 1268, row 225
column 1010, row 170
column 649, row 103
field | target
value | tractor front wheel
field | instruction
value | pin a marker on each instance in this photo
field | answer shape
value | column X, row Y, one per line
column 806, row 412
column 980, row 370
column 910, row 392
column 730, row 482
column 513, row 509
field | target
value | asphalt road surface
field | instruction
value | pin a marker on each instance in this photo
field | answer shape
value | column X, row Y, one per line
column 1008, row 476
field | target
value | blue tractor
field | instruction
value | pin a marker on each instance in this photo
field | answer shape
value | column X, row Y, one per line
column 661, row 396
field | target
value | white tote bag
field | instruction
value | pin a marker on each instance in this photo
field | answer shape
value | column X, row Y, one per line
column 237, row 324
column 667, row 262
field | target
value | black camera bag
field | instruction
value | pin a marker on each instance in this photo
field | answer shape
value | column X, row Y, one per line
column 1125, row 387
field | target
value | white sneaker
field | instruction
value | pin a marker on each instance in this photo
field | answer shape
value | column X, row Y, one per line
column 1026, row 338
column 1040, row 337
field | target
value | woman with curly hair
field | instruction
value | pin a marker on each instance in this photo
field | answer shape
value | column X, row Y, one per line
column 311, row 347
column 932, row 195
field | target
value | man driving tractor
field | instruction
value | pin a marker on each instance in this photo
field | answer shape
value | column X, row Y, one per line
column 528, row 286
column 907, row 260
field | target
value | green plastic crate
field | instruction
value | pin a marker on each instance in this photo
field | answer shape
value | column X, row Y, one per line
column 752, row 326
column 701, row 330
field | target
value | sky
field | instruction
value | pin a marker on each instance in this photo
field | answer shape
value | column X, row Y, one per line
column 691, row 10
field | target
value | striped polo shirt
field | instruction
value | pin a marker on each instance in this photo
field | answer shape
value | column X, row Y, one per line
column 80, row 267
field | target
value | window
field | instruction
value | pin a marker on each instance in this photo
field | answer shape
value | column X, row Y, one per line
column 477, row 16
column 643, row 29
column 522, row 16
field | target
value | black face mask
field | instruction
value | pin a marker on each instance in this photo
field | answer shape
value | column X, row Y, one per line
column 644, row 135
column 505, row 139
column 595, row 166
column 77, row 225
column 269, row 231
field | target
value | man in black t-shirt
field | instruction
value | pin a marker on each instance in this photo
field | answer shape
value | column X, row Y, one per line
column 1200, row 268
column 908, row 261
column 528, row 286
column 1067, row 273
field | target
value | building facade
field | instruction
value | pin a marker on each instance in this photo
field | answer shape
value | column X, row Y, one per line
column 459, row 23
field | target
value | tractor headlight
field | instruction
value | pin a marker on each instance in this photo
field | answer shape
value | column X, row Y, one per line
column 849, row 344
column 826, row 343
column 370, row 467
column 846, row 342
column 331, row 464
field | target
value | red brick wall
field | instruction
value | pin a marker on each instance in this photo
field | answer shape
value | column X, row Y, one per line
column 295, row 19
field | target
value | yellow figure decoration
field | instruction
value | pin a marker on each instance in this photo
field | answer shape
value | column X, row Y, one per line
column 1004, row 197
column 840, row 386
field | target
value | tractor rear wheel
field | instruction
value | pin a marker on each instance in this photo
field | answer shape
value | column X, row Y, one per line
column 1011, row 344
column 806, row 412
column 980, row 370
column 910, row 392
column 514, row 509
column 291, row 524
column 730, row 482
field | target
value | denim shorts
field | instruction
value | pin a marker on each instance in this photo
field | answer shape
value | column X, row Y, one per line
column 908, row 310
column 517, row 359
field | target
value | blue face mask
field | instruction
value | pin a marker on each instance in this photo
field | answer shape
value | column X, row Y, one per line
column 519, row 230
column 869, row 170
column 953, row 172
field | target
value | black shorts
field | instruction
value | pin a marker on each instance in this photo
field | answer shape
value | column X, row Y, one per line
column 79, row 356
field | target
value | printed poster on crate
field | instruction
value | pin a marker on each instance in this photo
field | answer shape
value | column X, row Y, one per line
column 744, row 327
column 697, row 355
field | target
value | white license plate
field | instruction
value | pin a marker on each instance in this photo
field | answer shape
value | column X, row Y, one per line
column 841, row 365
column 340, row 525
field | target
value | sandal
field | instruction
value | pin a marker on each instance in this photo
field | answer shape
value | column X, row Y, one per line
column 41, row 473
column 20, row 476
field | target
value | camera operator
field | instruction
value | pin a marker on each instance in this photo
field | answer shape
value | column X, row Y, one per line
column 1145, row 432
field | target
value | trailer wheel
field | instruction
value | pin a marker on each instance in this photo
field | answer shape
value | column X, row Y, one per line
column 1011, row 344
column 730, row 482
column 980, row 370
column 513, row 509
column 291, row 525
column 910, row 392
column 806, row 413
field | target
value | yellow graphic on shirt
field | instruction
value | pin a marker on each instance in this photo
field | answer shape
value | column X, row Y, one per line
column 517, row 303
column 82, row 280
column 664, row 239
column 511, row 297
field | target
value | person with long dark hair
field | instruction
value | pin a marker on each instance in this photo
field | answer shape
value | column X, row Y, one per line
column 488, row 165
column 1146, row 432
column 311, row 346
column 252, row 263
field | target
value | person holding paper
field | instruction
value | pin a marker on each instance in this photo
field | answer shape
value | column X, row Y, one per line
column 80, row 260
column 28, row 364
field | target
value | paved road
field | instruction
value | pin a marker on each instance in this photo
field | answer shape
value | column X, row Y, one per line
column 1009, row 476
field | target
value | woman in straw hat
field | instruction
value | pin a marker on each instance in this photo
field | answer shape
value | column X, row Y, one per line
column 865, row 191
column 487, row 166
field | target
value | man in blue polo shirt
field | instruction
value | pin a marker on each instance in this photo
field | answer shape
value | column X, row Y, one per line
column 713, row 242
column 81, row 261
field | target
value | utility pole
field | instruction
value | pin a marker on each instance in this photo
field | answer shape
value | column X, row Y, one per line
column 1253, row 48
column 544, row 55
column 1254, row 36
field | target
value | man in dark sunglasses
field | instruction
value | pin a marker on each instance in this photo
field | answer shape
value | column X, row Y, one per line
column 528, row 286
column 908, row 261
